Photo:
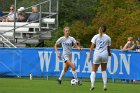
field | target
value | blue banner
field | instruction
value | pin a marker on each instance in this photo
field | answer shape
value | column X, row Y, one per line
column 44, row 62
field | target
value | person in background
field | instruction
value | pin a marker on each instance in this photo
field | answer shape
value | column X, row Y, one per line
column 137, row 48
column 11, row 15
column 78, row 43
column 1, row 14
column 34, row 16
column 130, row 45
column 21, row 16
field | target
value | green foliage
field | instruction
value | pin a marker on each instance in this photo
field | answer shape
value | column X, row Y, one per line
column 5, row 4
column 81, row 31
column 72, row 10
column 122, row 18
column 27, row 3
column 56, row 35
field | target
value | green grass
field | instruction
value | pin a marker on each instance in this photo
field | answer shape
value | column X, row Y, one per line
column 13, row 85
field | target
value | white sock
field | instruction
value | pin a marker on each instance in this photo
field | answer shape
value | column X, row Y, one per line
column 92, row 78
column 104, row 76
column 62, row 74
column 74, row 75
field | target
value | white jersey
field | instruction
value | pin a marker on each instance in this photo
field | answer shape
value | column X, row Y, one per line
column 101, row 43
column 11, row 15
column 101, row 53
column 66, row 43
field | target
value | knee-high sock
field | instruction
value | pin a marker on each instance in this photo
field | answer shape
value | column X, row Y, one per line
column 62, row 74
column 74, row 74
column 104, row 76
column 92, row 78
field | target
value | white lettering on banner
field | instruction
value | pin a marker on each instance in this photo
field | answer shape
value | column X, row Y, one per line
column 118, row 65
column 121, row 62
column 75, row 57
column 58, row 61
column 87, row 64
column 115, row 64
column 126, row 63
column 45, row 59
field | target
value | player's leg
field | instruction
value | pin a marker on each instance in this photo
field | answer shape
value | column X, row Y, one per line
column 103, row 67
column 93, row 75
column 79, row 82
column 70, row 64
column 95, row 65
column 63, row 73
column 104, row 75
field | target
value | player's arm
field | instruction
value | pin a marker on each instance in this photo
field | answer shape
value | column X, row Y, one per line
column 56, row 49
column 90, row 53
column 131, row 48
column 125, row 46
column 77, row 46
column 108, row 49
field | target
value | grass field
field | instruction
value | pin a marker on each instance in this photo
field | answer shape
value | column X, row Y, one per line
column 13, row 85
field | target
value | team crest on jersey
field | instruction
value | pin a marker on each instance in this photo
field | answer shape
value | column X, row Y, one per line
column 68, row 44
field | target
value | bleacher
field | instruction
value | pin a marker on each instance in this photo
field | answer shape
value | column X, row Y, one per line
column 22, row 34
column 24, row 31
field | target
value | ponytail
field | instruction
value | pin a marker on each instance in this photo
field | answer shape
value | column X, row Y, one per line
column 102, row 30
column 100, row 33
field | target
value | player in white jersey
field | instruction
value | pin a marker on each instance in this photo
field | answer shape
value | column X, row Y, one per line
column 101, row 42
column 67, row 43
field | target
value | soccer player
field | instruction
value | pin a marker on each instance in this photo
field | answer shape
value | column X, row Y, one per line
column 67, row 43
column 137, row 47
column 101, row 42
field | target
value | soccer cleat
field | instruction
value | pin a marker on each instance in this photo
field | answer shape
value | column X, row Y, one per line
column 105, row 89
column 79, row 82
column 59, row 81
column 92, row 88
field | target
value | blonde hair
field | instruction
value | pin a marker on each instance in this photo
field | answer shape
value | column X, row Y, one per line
column 130, row 38
column 34, row 9
column 12, row 6
column 66, row 28
column 102, row 29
